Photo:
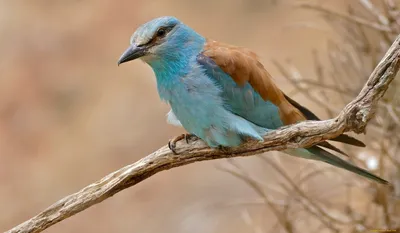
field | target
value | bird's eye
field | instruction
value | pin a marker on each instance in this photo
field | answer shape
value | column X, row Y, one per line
column 161, row 32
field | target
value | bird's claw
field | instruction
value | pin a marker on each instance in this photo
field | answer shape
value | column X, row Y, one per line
column 187, row 137
column 172, row 142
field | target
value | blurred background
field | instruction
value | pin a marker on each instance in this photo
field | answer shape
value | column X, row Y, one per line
column 69, row 116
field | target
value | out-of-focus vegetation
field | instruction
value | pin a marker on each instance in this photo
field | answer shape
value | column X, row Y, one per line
column 69, row 115
column 321, row 198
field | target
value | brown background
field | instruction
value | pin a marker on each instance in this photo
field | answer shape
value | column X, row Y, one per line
column 69, row 115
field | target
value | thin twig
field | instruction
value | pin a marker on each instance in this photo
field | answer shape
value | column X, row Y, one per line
column 350, row 18
column 267, row 200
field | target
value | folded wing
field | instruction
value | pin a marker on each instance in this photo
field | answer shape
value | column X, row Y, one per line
column 250, row 91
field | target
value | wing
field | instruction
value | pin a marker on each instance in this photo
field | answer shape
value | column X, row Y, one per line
column 250, row 92
column 243, row 67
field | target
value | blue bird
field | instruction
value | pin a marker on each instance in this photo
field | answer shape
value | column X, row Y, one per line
column 222, row 93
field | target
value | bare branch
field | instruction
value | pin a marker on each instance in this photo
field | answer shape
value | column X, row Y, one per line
column 354, row 117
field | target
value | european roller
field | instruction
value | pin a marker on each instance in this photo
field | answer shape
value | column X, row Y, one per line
column 221, row 93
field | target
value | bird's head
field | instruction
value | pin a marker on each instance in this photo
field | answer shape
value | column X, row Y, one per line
column 161, row 39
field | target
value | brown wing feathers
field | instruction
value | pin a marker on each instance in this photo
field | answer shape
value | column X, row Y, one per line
column 243, row 66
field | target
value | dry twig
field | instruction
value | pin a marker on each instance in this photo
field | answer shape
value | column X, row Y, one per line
column 354, row 117
column 350, row 18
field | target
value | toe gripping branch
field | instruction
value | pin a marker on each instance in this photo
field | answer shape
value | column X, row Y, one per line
column 187, row 137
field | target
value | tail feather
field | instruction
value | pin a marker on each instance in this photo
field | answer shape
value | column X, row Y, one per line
column 327, row 157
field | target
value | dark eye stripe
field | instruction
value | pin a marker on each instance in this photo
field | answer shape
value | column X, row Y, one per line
column 155, row 36
column 166, row 30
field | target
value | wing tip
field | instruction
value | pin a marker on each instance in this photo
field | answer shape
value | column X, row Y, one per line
column 344, row 138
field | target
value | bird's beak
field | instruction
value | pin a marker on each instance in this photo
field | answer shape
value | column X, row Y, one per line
column 132, row 53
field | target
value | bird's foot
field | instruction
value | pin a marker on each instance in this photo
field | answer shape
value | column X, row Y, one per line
column 187, row 137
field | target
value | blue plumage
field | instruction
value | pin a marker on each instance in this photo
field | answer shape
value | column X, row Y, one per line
column 198, row 102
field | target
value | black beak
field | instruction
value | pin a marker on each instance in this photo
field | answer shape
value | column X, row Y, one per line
column 132, row 53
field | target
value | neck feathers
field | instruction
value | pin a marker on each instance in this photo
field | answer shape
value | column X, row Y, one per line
column 176, row 54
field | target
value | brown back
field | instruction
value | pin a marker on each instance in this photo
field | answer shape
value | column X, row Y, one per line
column 243, row 66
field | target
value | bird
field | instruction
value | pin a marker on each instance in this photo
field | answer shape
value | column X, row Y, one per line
column 222, row 93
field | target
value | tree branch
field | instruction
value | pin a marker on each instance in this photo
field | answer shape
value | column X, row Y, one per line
column 354, row 117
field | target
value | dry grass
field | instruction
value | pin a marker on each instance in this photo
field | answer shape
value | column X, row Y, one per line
column 338, row 202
